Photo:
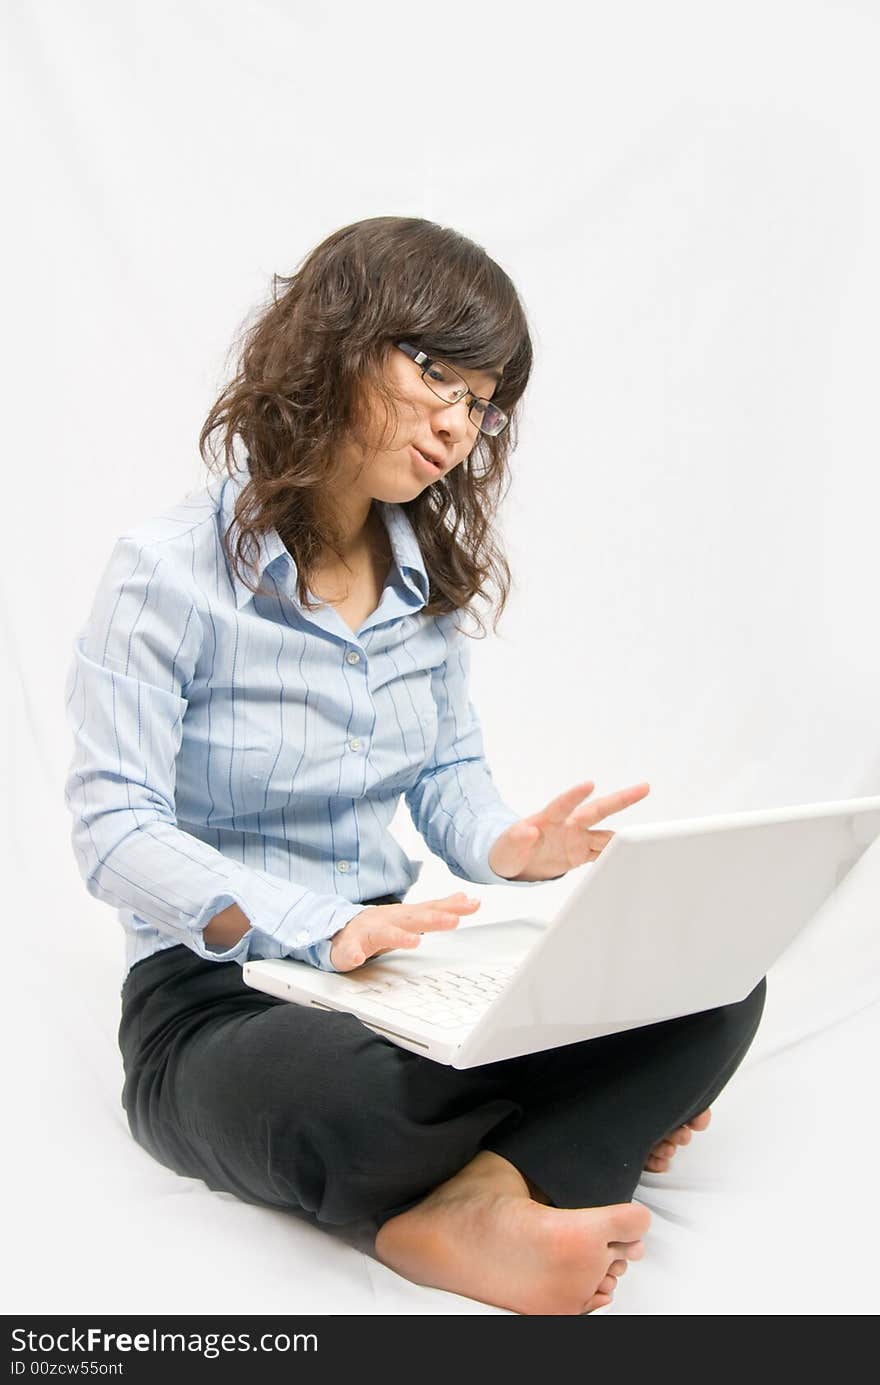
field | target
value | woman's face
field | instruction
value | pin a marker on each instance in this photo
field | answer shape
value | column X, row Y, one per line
column 426, row 423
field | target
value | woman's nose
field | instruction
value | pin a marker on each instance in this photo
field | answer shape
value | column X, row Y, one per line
column 453, row 420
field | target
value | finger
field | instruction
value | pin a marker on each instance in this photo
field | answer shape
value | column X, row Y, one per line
column 441, row 911
column 399, row 925
column 558, row 809
column 612, row 803
column 459, row 900
column 430, row 920
column 388, row 937
column 583, row 845
column 589, row 837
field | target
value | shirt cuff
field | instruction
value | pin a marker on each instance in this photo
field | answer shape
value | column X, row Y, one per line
column 319, row 955
column 295, row 925
column 474, row 843
column 213, row 952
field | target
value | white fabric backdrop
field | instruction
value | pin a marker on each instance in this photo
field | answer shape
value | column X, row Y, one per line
column 688, row 198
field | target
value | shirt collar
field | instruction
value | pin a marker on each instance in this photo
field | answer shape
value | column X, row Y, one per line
column 405, row 547
column 270, row 547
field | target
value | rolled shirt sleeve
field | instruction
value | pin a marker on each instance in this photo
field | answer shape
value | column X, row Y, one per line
column 455, row 804
column 126, row 697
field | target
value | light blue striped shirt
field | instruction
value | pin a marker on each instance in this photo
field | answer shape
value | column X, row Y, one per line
column 233, row 749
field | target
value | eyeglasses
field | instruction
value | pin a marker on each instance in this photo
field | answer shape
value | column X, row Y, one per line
column 449, row 386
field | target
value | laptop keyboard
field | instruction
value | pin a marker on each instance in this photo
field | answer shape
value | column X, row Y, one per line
column 447, row 998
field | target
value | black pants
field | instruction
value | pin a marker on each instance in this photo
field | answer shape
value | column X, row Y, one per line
column 305, row 1109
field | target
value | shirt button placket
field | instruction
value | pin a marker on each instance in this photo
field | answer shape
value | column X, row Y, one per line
column 352, row 657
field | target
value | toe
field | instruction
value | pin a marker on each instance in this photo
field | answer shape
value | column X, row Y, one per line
column 597, row 1301
column 627, row 1221
column 607, row 1285
column 702, row 1120
column 628, row 1250
column 655, row 1165
column 617, row 1268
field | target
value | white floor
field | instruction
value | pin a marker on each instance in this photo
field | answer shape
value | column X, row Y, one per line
column 769, row 1211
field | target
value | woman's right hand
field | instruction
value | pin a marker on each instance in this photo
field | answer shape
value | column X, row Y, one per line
column 382, row 927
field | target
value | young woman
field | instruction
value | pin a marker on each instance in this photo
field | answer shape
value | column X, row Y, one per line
column 267, row 667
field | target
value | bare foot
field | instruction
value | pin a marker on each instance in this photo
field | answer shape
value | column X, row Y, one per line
column 481, row 1234
column 660, row 1158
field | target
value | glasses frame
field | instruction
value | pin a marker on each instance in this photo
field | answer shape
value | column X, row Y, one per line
column 424, row 362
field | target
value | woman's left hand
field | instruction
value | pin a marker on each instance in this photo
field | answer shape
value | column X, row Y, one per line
column 560, row 837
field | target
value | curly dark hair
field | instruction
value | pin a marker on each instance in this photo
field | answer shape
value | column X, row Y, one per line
column 305, row 369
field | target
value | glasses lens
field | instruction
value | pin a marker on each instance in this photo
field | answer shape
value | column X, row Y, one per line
column 487, row 417
column 448, row 384
column 445, row 383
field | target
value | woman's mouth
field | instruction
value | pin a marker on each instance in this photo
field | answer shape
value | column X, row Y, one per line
column 425, row 462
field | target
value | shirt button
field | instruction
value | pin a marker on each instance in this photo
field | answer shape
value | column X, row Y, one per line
column 352, row 657
column 354, row 743
column 344, row 865
column 302, row 937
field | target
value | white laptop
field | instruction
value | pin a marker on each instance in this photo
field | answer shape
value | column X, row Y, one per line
column 672, row 918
